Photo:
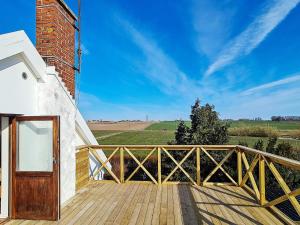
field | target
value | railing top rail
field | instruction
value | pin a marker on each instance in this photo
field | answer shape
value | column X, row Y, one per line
column 275, row 158
column 169, row 147
column 294, row 164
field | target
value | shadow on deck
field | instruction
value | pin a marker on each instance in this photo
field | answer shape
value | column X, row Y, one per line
column 136, row 203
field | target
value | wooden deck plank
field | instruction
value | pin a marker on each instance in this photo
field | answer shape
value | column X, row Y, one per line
column 220, row 202
column 246, row 206
column 126, row 204
column 262, row 212
column 144, row 207
column 156, row 213
column 216, row 206
column 78, row 203
column 232, row 209
column 201, row 207
column 131, row 208
column 81, row 205
column 107, row 200
column 254, row 209
column 135, row 213
column 100, row 206
column 150, row 209
column 209, row 208
column 117, row 209
column 164, row 206
column 191, row 209
column 170, row 212
column 69, row 205
column 177, row 209
column 170, row 204
column 111, row 204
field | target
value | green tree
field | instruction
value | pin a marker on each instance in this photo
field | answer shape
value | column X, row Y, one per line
column 243, row 143
column 291, row 177
column 182, row 134
column 271, row 144
column 206, row 127
column 259, row 145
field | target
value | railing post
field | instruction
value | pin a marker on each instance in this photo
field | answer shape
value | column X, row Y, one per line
column 159, row 165
column 198, row 166
column 122, row 165
column 239, row 166
column 262, row 180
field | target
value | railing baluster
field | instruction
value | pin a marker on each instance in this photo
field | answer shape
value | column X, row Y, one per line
column 262, row 180
column 122, row 165
column 198, row 166
column 159, row 165
column 239, row 167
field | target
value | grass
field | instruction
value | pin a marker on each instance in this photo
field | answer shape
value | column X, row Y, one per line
column 139, row 137
column 282, row 125
column 251, row 140
column 103, row 133
column 163, row 132
column 165, row 125
column 254, row 131
column 163, row 137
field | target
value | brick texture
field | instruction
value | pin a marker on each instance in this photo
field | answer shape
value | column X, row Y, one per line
column 55, row 38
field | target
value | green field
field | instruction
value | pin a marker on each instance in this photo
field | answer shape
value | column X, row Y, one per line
column 104, row 133
column 163, row 137
column 165, row 125
column 163, row 132
column 282, row 125
column 139, row 138
column 251, row 140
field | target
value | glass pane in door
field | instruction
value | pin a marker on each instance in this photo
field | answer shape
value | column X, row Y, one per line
column 35, row 146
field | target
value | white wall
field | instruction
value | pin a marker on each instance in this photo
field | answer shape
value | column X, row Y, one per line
column 79, row 140
column 4, row 166
column 53, row 100
column 31, row 97
column 17, row 95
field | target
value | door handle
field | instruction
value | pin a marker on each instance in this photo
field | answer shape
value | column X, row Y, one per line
column 54, row 160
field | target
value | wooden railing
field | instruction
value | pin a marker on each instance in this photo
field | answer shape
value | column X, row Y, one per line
column 244, row 172
column 259, row 191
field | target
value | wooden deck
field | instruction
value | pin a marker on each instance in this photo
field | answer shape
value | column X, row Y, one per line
column 111, row 203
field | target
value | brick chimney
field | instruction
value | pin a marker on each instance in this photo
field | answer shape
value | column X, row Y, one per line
column 55, row 38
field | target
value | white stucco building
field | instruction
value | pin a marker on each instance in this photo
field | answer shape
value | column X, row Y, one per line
column 29, row 87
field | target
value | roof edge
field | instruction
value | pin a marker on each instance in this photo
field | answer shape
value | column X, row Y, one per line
column 68, row 9
column 18, row 43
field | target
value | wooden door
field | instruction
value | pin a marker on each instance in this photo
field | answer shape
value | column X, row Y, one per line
column 35, row 168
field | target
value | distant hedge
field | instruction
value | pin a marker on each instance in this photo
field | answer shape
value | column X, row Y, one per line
column 254, row 131
column 295, row 134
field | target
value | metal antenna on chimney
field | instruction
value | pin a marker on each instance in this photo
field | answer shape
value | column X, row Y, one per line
column 78, row 53
column 79, row 41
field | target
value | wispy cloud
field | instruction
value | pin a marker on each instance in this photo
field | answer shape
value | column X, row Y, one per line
column 276, row 102
column 158, row 66
column 84, row 49
column 254, row 34
column 93, row 107
column 212, row 35
column 179, row 90
column 273, row 84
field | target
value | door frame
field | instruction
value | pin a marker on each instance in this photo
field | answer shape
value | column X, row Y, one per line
column 56, row 166
column 5, row 122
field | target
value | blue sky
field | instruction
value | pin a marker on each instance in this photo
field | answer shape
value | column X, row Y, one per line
column 156, row 57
